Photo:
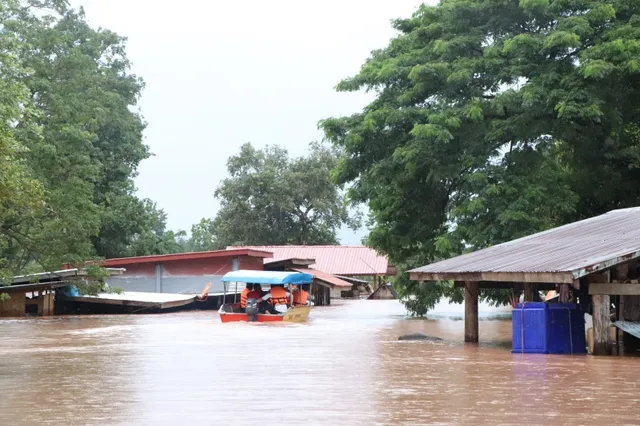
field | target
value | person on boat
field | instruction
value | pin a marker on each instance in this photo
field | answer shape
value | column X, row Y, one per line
column 251, row 291
column 276, row 301
column 257, row 292
column 244, row 295
column 301, row 295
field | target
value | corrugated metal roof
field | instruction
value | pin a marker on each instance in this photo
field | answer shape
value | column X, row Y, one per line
column 58, row 275
column 323, row 276
column 561, row 254
column 630, row 327
column 336, row 260
column 185, row 256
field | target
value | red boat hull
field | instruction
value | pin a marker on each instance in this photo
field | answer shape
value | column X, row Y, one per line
column 294, row 314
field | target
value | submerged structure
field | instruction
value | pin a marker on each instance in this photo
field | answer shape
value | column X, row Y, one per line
column 594, row 262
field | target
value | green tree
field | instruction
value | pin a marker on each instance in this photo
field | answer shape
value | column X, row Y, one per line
column 91, row 142
column 154, row 237
column 270, row 198
column 492, row 120
column 70, row 143
column 21, row 196
column 203, row 237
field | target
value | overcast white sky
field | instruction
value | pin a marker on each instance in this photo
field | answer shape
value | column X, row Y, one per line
column 222, row 73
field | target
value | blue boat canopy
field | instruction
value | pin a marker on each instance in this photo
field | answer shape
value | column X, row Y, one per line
column 268, row 277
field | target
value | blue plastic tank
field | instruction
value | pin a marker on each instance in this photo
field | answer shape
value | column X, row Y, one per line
column 71, row 291
column 548, row 328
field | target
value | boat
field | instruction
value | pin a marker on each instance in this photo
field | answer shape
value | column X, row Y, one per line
column 231, row 312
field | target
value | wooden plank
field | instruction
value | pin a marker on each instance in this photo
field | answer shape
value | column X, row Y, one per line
column 502, row 285
column 471, row 312
column 13, row 307
column 614, row 289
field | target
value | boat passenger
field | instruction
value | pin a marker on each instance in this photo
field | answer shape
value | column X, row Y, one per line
column 301, row 295
column 276, row 301
column 257, row 292
column 244, row 295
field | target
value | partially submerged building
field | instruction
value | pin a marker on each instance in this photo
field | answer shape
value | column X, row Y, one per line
column 324, row 287
column 35, row 294
column 344, row 263
column 596, row 261
column 183, row 273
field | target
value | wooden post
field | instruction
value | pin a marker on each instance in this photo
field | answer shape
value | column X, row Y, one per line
column 622, row 274
column 45, row 303
column 601, row 322
column 620, row 332
column 471, row 311
column 528, row 292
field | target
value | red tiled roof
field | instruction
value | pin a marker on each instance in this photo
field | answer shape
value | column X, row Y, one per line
column 323, row 276
column 336, row 260
column 186, row 256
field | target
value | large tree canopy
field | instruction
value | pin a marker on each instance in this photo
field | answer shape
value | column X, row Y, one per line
column 494, row 119
column 70, row 142
column 270, row 198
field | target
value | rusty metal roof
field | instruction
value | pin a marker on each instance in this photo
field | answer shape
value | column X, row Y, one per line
column 335, row 260
column 559, row 255
column 184, row 256
column 323, row 276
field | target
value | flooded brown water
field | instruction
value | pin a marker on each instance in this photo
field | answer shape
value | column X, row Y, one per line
column 344, row 367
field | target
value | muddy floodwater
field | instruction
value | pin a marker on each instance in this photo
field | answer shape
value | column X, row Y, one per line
column 344, row 367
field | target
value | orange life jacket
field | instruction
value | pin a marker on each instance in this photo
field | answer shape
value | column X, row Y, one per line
column 278, row 296
column 243, row 297
column 300, row 297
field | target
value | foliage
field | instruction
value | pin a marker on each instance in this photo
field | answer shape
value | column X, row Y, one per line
column 95, row 283
column 21, row 195
column 492, row 120
column 154, row 237
column 270, row 198
column 203, row 237
column 70, row 143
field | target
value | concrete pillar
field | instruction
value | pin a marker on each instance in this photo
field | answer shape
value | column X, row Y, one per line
column 471, row 311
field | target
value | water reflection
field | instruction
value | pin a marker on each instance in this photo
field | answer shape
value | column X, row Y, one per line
column 345, row 366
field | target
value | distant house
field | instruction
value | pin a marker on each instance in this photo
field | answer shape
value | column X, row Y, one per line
column 338, row 262
column 349, row 261
column 325, row 286
column 184, row 272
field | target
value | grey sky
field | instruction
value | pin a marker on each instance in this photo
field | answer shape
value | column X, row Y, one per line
column 222, row 73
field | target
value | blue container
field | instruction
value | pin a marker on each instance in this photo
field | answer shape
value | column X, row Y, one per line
column 71, row 291
column 548, row 328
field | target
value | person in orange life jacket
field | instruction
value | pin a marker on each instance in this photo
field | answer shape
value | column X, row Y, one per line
column 244, row 295
column 276, row 301
column 301, row 295
column 249, row 292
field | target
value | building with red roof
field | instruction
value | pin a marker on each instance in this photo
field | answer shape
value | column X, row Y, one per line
column 348, row 261
column 183, row 272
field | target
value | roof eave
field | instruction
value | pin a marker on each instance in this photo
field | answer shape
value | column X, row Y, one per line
column 187, row 256
column 522, row 277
